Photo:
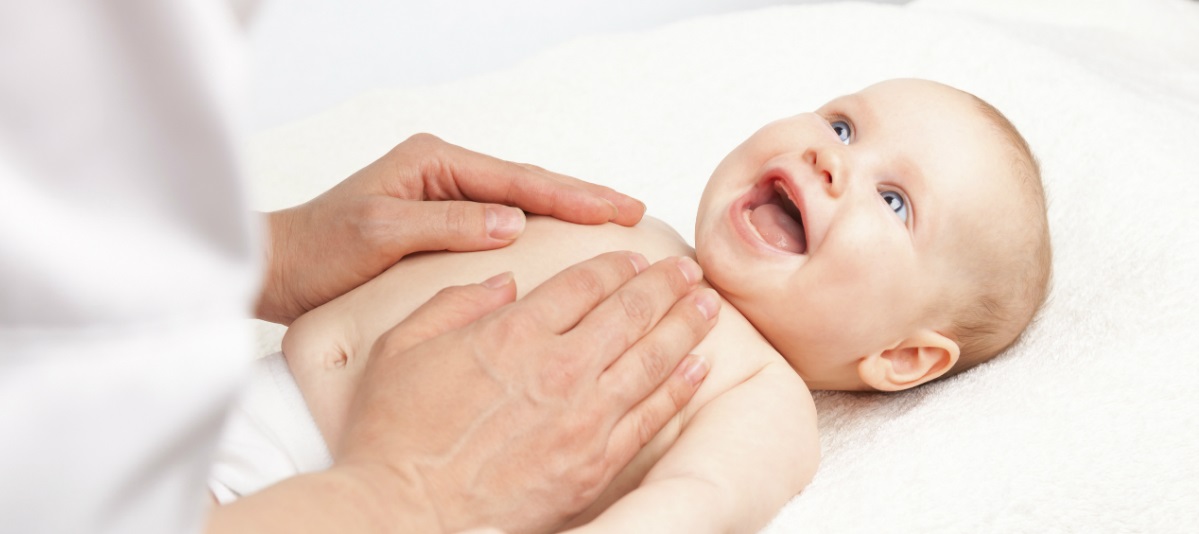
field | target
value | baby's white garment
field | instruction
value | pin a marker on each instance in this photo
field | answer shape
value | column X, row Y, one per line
column 269, row 435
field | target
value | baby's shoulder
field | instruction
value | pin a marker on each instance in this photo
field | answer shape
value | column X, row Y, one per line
column 741, row 359
column 573, row 242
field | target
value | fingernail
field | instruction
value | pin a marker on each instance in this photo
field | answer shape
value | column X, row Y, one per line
column 615, row 211
column 504, row 223
column 639, row 261
column 707, row 303
column 498, row 281
column 696, row 370
column 691, row 270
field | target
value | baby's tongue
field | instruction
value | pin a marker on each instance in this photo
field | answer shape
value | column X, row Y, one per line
column 778, row 228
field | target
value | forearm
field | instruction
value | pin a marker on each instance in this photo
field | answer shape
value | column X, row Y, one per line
column 336, row 500
column 682, row 504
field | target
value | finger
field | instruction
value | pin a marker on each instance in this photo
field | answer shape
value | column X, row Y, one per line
column 560, row 302
column 633, row 310
column 643, row 422
column 642, row 368
column 488, row 179
column 629, row 209
column 459, row 173
column 459, row 226
column 450, row 309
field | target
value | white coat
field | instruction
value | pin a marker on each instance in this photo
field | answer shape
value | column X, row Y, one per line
column 128, row 261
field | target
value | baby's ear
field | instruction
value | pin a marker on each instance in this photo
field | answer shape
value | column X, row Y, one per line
column 918, row 359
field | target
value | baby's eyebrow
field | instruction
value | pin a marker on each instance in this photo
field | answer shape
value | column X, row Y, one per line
column 860, row 107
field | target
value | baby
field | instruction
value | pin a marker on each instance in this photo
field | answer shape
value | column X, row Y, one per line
column 894, row 236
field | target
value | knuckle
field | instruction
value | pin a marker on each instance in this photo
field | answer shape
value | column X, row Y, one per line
column 459, row 215
column 517, row 337
column 533, row 167
column 587, row 282
column 697, row 325
column 692, row 320
column 645, row 430
column 557, row 378
column 510, row 325
column 621, row 261
column 590, row 481
column 675, row 279
column 654, row 363
column 628, row 391
column 426, row 149
column 503, row 331
column 584, row 469
column 451, row 295
column 422, row 139
column 392, row 342
column 637, row 306
column 679, row 395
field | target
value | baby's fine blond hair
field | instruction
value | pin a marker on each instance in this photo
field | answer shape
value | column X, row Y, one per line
column 1010, row 287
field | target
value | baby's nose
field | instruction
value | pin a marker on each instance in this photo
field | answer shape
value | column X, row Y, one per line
column 828, row 162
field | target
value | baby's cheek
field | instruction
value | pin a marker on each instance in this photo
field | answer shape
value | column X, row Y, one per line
column 840, row 309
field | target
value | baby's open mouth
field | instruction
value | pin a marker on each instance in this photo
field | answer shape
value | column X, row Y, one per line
column 779, row 221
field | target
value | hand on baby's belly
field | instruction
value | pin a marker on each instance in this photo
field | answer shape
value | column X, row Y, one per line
column 328, row 348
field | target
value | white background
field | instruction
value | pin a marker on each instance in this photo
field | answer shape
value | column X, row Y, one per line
column 308, row 55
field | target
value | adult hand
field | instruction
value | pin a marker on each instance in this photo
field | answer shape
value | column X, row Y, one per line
column 425, row 194
column 519, row 417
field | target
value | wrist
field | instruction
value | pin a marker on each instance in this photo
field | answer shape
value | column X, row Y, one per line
column 272, row 304
column 367, row 498
column 392, row 498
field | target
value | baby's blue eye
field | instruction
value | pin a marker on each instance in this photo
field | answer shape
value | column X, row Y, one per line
column 843, row 130
column 897, row 203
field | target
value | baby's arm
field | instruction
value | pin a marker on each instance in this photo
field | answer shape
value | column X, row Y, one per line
column 738, row 461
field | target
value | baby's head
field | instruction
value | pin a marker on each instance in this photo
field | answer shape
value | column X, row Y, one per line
column 892, row 237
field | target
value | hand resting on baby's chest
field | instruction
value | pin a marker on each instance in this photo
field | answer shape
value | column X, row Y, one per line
column 749, row 430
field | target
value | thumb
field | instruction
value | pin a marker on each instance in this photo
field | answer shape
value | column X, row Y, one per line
column 454, row 225
column 450, row 309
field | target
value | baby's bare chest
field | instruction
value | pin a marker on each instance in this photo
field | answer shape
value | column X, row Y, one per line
column 355, row 320
column 350, row 324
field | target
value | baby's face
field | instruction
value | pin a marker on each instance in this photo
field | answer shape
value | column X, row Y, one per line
column 838, row 233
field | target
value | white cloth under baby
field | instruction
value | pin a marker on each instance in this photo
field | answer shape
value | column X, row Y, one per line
column 269, row 436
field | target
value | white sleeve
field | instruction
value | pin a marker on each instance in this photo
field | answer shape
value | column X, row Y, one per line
column 270, row 435
column 128, row 260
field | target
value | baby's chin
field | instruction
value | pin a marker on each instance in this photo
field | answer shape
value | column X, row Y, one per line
column 717, row 270
column 707, row 258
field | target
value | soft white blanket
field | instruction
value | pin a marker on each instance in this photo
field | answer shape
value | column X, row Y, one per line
column 1092, row 422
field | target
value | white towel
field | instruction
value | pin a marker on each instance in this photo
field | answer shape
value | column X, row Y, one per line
column 269, row 435
column 1091, row 423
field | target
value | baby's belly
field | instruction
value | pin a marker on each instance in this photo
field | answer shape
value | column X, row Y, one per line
column 351, row 323
column 328, row 347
